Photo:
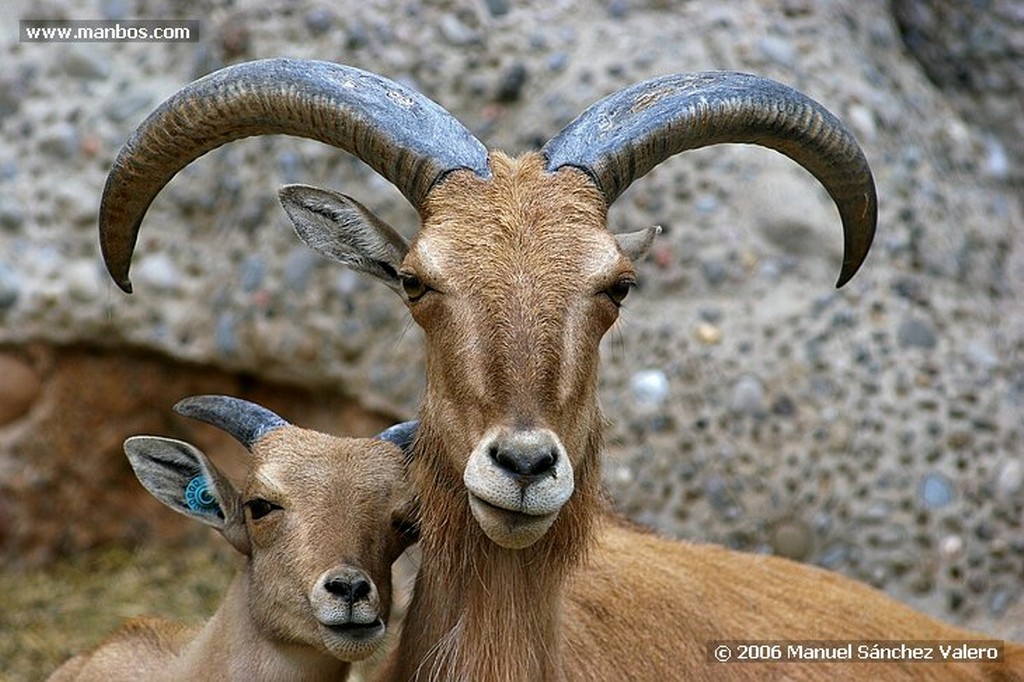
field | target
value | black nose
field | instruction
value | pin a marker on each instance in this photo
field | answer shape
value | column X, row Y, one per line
column 350, row 589
column 528, row 454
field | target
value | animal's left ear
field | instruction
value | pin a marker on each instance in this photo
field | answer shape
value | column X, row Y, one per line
column 636, row 245
column 180, row 475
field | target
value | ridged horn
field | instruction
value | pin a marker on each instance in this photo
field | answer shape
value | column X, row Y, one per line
column 246, row 422
column 407, row 138
column 623, row 136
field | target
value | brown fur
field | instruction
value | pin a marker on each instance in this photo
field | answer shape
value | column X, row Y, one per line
column 513, row 326
column 339, row 497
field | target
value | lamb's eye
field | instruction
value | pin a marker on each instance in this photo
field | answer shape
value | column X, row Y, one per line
column 258, row 508
column 618, row 291
column 413, row 286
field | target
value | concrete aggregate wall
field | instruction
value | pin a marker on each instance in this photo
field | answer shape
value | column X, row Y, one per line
column 875, row 430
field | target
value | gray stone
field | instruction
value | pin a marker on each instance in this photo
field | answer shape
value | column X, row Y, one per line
column 254, row 271
column 979, row 354
column 936, row 491
column 747, row 397
column 834, row 556
column 159, row 271
column 319, row 20
column 650, row 387
column 83, row 281
column 84, row 61
column 226, row 333
column 298, row 268
column 115, row 9
column 10, row 287
column 456, row 32
column 497, row 8
column 61, row 141
column 1010, row 481
column 915, row 332
column 12, row 215
column 778, row 49
column 510, row 87
column 128, row 106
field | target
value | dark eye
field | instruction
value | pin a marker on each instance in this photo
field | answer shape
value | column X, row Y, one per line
column 618, row 291
column 413, row 286
column 258, row 508
column 406, row 528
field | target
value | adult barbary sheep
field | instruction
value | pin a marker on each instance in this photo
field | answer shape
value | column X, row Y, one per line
column 515, row 278
column 320, row 520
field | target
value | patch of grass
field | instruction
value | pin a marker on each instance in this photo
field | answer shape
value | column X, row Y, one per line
column 48, row 615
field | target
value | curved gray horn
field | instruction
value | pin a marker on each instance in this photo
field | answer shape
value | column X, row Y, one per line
column 404, row 136
column 623, row 136
column 245, row 421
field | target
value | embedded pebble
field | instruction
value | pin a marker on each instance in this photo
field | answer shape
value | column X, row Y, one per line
column 254, row 270
column 650, row 387
column 951, row 547
column 19, row 389
column 915, row 332
column 12, row 215
column 709, row 334
column 226, row 333
column 115, row 9
column 83, row 281
column 793, row 539
column 158, row 270
column 862, row 120
column 81, row 61
column 981, row 355
column 128, row 106
column 510, row 87
column 936, row 491
column 497, row 8
column 456, row 32
column 778, row 49
column 61, row 142
column 748, row 397
column 1010, row 481
column 319, row 20
column 10, row 287
column 299, row 266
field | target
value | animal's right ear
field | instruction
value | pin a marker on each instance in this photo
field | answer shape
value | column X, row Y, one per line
column 183, row 478
column 342, row 229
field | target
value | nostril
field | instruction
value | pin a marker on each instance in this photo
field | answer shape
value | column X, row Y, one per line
column 349, row 589
column 524, row 460
column 544, row 462
column 339, row 587
column 360, row 590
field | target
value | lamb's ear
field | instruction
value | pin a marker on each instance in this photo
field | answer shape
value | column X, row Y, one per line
column 183, row 478
column 339, row 227
column 636, row 245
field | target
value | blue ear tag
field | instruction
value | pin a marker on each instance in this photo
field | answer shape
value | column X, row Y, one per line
column 198, row 496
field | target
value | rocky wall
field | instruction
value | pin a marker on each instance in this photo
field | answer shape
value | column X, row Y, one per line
column 874, row 430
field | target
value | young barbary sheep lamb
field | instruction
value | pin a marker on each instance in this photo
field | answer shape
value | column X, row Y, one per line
column 320, row 520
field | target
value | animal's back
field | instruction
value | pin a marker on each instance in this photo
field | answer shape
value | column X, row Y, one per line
column 140, row 650
column 645, row 607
